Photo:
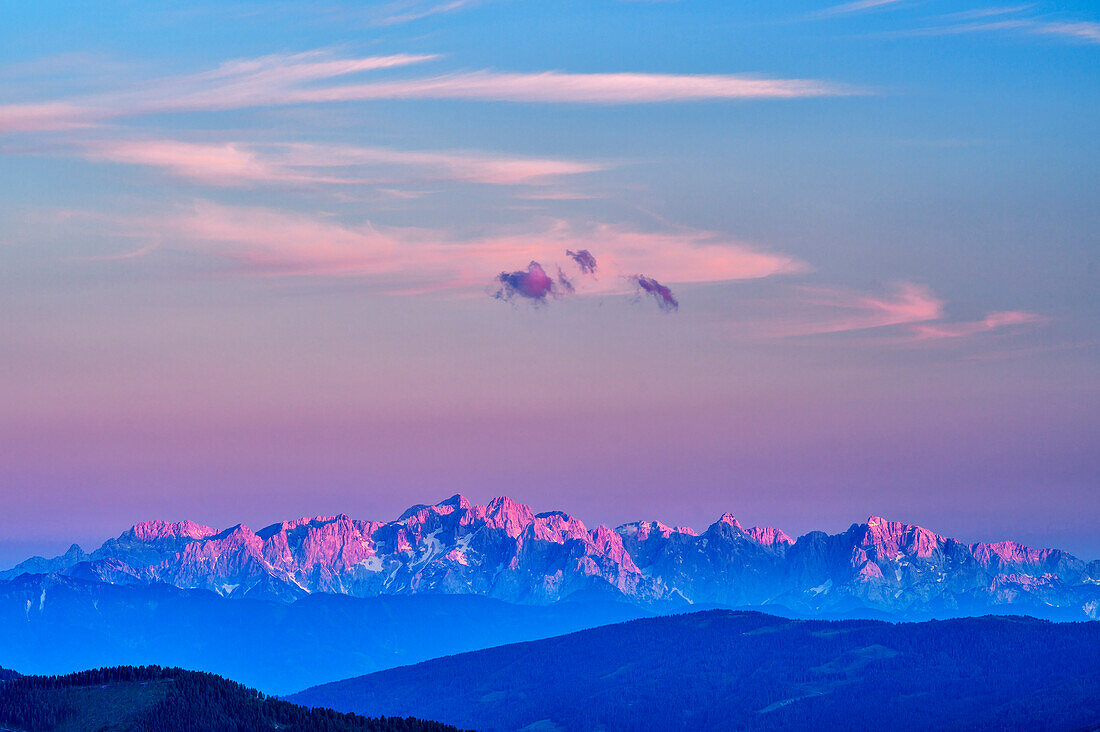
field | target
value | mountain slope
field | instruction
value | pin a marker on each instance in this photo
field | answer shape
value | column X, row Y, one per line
column 55, row 624
column 733, row 670
column 168, row 699
column 506, row 551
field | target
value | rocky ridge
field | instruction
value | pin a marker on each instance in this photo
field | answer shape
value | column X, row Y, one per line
column 506, row 551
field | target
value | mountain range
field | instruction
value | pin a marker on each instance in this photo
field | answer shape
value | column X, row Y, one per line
column 506, row 551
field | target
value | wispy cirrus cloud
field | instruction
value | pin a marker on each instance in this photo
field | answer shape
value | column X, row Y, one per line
column 858, row 6
column 296, row 79
column 552, row 87
column 238, row 84
column 43, row 117
column 1002, row 18
column 835, row 310
column 248, row 164
column 983, row 22
column 270, row 242
column 993, row 321
column 1086, row 31
column 908, row 311
column 988, row 12
column 407, row 11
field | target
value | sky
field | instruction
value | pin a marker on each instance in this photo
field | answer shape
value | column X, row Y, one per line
column 801, row 262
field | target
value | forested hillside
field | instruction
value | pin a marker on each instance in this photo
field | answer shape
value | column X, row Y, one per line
column 155, row 699
column 722, row 670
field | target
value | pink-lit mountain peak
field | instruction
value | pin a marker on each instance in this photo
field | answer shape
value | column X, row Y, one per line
column 729, row 520
column 1012, row 554
column 512, row 516
column 891, row 539
column 153, row 530
column 457, row 502
column 769, row 536
column 642, row 530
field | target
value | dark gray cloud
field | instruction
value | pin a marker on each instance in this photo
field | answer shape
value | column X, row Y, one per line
column 649, row 286
column 584, row 260
column 565, row 284
column 532, row 284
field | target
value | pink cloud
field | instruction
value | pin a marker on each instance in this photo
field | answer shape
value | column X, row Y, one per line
column 292, row 79
column 909, row 312
column 238, row 84
column 465, row 166
column 990, row 322
column 45, row 117
column 838, row 311
column 263, row 81
column 228, row 164
column 269, row 242
column 855, row 7
column 560, row 87
column 239, row 164
column 406, row 12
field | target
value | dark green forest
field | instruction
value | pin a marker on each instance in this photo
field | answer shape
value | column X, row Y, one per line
column 155, row 699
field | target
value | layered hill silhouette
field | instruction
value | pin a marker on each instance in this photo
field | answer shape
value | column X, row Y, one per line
column 133, row 699
column 720, row 670
column 505, row 551
column 276, row 647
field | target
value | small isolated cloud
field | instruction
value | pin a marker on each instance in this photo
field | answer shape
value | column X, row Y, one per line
column 531, row 284
column 565, row 283
column 664, row 297
column 584, row 260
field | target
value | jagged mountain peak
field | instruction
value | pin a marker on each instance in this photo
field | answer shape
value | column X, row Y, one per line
column 726, row 524
column 769, row 536
column 729, row 518
column 150, row 530
column 883, row 538
column 457, row 502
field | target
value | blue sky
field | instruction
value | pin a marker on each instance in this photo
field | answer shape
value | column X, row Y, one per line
column 247, row 252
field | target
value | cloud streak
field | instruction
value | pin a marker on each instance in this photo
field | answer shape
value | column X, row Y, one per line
column 407, row 12
column 907, row 312
column 855, row 7
column 1080, row 31
column 264, row 241
column 845, row 311
column 993, row 321
column 242, row 164
column 296, row 79
column 552, row 87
